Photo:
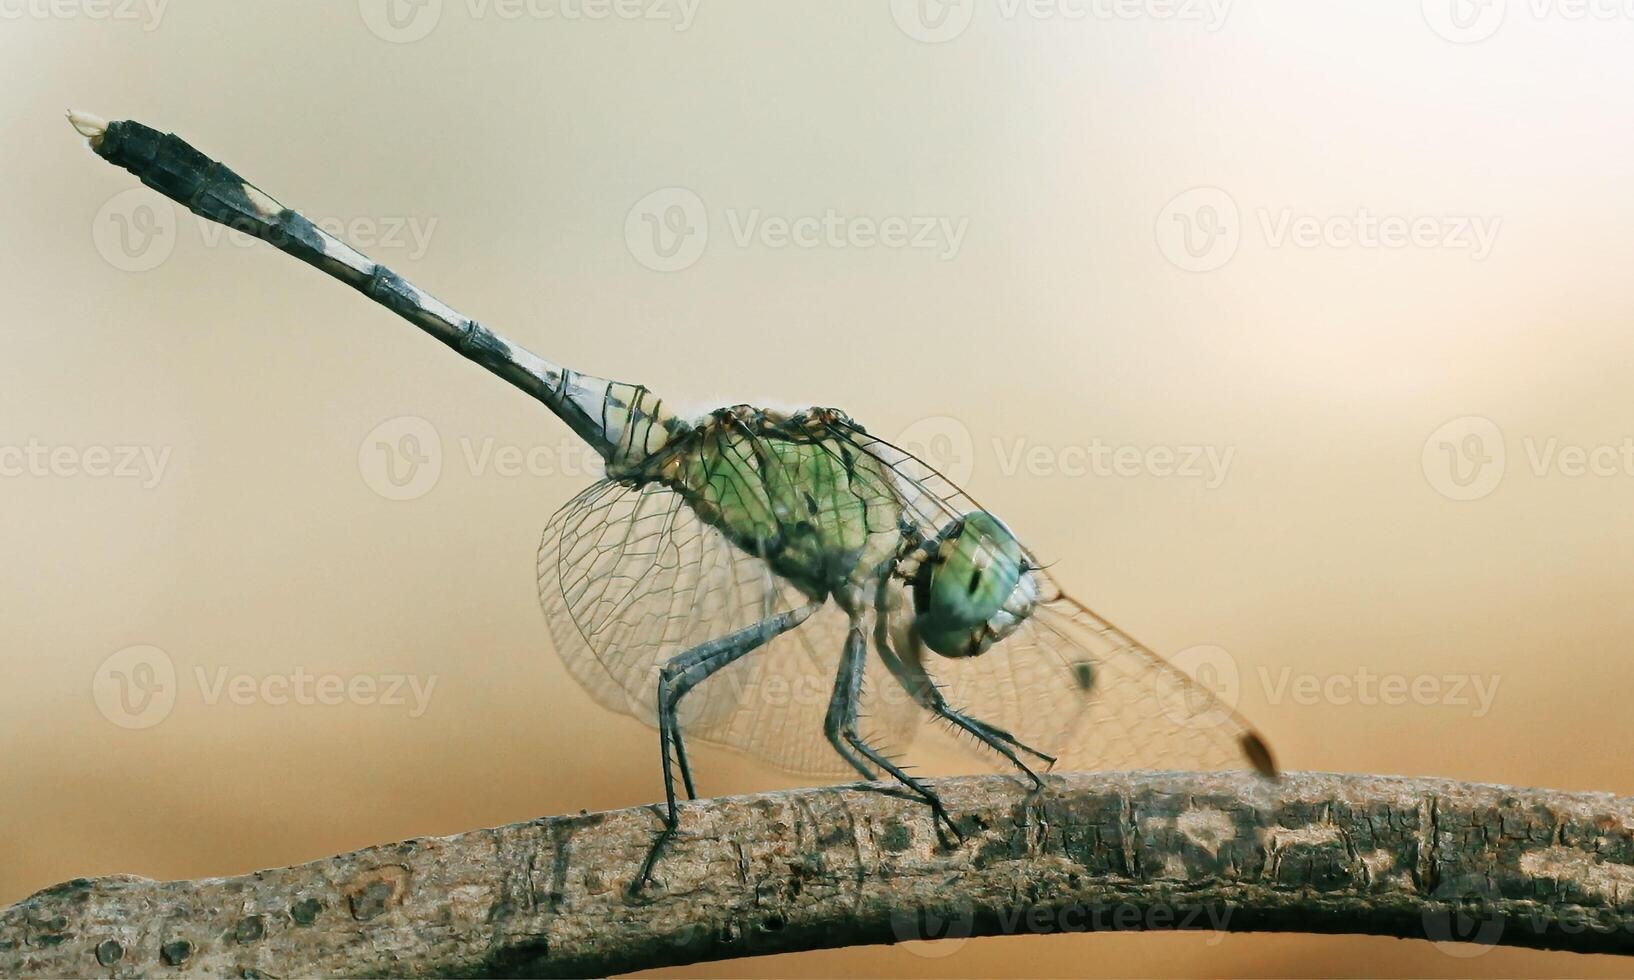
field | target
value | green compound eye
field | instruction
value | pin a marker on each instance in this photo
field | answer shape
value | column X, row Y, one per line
column 965, row 585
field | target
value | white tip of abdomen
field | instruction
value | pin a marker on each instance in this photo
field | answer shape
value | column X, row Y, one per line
column 87, row 125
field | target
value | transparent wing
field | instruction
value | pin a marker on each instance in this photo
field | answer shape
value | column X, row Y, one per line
column 1071, row 684
column 1067, row 682
column 630, row 577
column 929, row 499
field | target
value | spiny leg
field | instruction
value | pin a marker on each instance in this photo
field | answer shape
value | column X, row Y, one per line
column 841, row 725
column 681, row 674
column 997, row 739
column 924, row 690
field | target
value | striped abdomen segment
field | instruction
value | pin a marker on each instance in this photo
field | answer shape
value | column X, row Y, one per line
column 625, row 423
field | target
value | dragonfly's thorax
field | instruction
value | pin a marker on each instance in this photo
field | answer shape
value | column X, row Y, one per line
column 792, row 489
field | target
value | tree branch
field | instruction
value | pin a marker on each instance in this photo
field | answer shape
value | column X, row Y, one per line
column 855, row 865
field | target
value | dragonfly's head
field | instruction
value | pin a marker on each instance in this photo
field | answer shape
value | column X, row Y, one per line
column 975, row 587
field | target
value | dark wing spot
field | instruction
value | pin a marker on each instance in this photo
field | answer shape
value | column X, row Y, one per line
column 1260, row 755
column 975, row 580
column 811, row 503
column 1084, row 673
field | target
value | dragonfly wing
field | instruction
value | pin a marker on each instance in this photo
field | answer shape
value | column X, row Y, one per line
column 782, row 700
column 1067, row 682
column 1071, row 684
column 630, row 577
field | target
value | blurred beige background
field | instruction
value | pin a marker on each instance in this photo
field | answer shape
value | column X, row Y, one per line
column 1316, row 315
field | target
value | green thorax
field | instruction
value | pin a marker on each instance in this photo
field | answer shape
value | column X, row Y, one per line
column 791, row 490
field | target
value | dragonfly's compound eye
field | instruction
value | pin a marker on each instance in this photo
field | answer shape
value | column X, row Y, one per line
column 976, row 588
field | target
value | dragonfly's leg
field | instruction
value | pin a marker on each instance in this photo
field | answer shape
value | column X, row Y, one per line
column 841, row 707
column 918, row 684
column 1004, row 736
column 994, row 738
column 843, row 715
column 687, row 670
column 682, row 764
column 681, row 674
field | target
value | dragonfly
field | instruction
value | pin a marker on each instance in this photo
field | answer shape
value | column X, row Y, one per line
column 784, row 583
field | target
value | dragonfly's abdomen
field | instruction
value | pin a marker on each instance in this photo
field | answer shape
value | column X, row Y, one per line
column 816, row 509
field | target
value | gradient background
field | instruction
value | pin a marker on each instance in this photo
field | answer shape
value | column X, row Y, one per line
column 1327, row 550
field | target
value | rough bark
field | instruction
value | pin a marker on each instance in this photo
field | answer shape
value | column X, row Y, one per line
column 855, row 865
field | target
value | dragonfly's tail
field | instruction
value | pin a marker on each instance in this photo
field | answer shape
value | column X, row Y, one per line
column 625, row 423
